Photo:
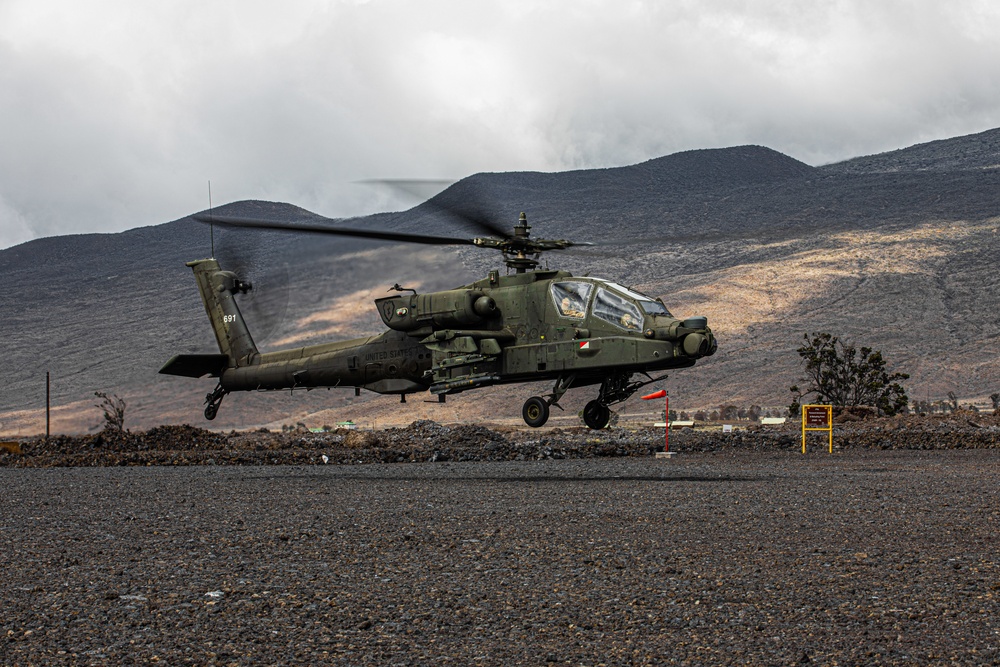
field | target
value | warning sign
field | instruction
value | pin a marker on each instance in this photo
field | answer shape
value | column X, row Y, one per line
column 817, row 415
column 817, row 418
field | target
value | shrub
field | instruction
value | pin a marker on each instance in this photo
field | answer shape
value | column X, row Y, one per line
column 841, row 374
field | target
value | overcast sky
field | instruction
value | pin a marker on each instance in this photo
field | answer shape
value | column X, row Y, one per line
column 117, row 114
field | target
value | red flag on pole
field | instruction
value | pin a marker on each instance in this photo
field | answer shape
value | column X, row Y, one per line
column 666, row 414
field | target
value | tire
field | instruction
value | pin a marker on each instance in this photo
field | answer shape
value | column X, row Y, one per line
column 535, row 412
column 210, row 412
column 596, row 415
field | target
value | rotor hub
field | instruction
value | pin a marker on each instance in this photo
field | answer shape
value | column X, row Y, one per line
column 520, row 251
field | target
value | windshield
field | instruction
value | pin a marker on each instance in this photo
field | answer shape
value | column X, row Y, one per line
column 654, row 307
column 649, row 305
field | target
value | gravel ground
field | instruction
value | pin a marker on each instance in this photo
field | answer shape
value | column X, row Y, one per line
column 427, row 441
column 725, row 557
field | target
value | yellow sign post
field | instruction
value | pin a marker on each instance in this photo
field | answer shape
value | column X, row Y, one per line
column 817, row 418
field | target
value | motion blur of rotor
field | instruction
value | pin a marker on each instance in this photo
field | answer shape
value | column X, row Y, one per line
column 520, row 251
column 264, row 277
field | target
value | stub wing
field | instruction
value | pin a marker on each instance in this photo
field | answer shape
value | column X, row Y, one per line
column 196, row 365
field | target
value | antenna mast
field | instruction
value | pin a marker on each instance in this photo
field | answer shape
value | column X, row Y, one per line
column 211, row 225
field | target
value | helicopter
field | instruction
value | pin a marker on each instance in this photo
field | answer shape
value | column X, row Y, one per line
column 528, row 325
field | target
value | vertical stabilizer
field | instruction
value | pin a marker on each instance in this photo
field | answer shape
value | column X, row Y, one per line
column 218, row 289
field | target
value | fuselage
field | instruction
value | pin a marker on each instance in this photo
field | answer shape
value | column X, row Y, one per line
column 525, row 327
column 529, row 326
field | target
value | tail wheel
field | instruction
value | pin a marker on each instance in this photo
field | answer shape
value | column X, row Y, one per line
column 535, row 412
column 596, row 415
column 212, row 402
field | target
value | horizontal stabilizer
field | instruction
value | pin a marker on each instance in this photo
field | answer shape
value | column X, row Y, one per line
column 196, row 365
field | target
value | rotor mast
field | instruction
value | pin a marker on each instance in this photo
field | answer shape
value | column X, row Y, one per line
column 520, row 251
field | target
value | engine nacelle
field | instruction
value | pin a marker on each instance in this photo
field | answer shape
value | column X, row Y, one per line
column 452, row 309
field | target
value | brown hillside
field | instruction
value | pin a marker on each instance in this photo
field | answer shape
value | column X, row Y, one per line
column 893, row 251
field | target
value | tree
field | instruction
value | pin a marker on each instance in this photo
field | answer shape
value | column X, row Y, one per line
column 841, row 374
column 995, row 399
column 728, row 412
column 113, row 409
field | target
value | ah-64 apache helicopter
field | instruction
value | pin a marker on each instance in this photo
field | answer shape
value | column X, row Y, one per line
column 525, row 326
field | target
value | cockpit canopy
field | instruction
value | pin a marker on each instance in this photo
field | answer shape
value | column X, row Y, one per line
column 611, row 302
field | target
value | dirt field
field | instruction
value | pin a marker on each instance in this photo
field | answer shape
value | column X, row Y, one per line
column 724, row 557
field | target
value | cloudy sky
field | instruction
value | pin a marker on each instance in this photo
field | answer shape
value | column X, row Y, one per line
column 117, row 114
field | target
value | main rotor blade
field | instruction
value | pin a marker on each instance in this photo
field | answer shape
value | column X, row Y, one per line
column 478, row 221
column 312, row 228
column 434, row 204
column 420, row 189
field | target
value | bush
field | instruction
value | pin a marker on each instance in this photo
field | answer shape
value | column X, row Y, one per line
column 841, row 374
column 113, row 409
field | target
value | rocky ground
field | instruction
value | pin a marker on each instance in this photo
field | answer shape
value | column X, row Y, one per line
column 738, row 550
column 429, row 441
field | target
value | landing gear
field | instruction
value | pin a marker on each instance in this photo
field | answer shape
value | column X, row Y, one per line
column 212, row 400
column 535, row 411
column 596, row 415
column 615, row 389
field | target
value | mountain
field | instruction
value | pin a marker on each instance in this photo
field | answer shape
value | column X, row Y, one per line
column 893, row 251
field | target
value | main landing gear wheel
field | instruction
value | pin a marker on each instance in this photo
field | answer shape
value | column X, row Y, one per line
column 596, row 415
column 211, row 411
column 535, row 412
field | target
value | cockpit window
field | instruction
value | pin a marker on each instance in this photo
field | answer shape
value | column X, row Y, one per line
column 617, row 310
column 571, row 298
column 624, row 290
column 649, row 305
column 654, row 308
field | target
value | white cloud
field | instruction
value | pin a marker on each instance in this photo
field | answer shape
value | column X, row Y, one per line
column 13, row 228
column 116, row 114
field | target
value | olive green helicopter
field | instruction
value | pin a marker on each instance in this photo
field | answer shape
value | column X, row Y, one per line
column 528, row 325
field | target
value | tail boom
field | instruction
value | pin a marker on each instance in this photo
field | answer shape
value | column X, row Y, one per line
column 390, row 363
